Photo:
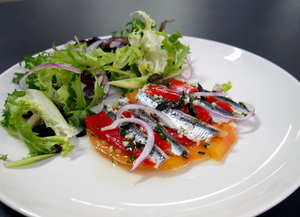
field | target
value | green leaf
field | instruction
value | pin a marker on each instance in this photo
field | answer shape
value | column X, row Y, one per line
column 131, row 83
column 3, row 157
column 26, row 161
column 226, row 86
column 18, row 104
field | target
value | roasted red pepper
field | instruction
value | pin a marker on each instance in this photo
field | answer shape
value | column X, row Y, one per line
column 223, row 105
column 113, row 136
column 162, row 143
column 182, row 86
column 180, row 138
column 100, row 120
column 201, row 113
column 162, row 91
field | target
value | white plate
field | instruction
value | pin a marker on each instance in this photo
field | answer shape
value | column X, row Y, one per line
column 260, row 171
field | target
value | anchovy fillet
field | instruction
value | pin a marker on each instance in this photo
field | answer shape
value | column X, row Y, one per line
column 193, row 128
column 156, row 155
column 176, row 148
column 237, row 107
column 218, row 114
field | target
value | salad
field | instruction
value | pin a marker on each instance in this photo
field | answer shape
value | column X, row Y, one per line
column 73, row 79
column 161, row 121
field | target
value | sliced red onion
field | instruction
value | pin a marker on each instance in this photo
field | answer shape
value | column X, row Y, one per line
column 153, row 110
column 94, row 45
column 100, row 79
column 150, row 138
column 209, row 94
column 104, row 80
column 217, row 88
column 114, row 44
column 99, row 73
column 249, row 115
column 23, row 84
column 106, row 89
column 187, row 74
column 107, row 86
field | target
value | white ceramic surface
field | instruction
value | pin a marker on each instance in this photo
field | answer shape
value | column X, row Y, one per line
column 262, row 169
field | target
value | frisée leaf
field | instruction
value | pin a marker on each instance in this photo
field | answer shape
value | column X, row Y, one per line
column 18, row 104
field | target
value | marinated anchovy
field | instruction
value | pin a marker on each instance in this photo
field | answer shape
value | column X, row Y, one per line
column 193, row 128
column 176, row 148
column 218, row 114
column 237, row 107
column 147, row 100
column 156, row 155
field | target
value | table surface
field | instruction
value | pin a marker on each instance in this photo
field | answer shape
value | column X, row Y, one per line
column 269, row 28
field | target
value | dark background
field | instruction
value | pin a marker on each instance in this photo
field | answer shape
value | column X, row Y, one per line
column 268, row 28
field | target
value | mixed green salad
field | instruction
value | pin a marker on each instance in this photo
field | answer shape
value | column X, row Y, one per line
column 61, row 87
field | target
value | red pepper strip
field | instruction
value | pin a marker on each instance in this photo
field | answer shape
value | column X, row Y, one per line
column 180, row 138
column 100, row 120
column 201, row 113
column 182, row 86
column 223, row 105
column 163, row 144
column 162, row 91
column 113, row 137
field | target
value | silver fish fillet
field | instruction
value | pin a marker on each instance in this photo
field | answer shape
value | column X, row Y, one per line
column 237, row 107
column 176, row 148
column 140, row 139
column 218, row 114
column 193, row 128
column 156, row 155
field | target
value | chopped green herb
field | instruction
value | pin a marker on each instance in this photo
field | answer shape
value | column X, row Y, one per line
column 159, row 130
column 130, row 147
column 206, row 144
column 198, row 120
column 131, row 157
column 185, row 154
column 122, row 132
column 139, row 145
column 3, row 157
column 243, row 105
column 201, row 152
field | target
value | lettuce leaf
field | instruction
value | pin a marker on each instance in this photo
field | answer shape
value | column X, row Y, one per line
column 151, row 51
column 18, row 104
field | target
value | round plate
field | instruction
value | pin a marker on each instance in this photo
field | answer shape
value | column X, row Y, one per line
column 260, row 171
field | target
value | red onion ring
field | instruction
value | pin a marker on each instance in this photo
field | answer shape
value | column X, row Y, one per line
column 153, row 110
column 187, row 74
column 100, row 79
column 249, row 115
column 23, row 84
column 107, row 86
column 150, row 138
column 217, row 89
column 94, row 45
column 208, row 94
